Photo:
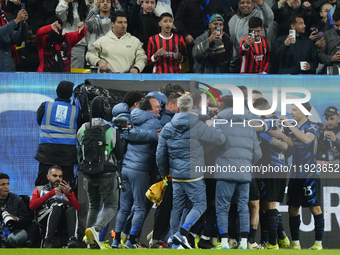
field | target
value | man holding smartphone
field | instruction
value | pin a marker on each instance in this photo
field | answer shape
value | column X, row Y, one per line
column 56, row 207
column 254, row 49
column 296, row 55
column 212, row 49
column 11, row 33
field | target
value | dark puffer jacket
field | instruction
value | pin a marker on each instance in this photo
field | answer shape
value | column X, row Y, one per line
column 181, row 146
column 241, row 151
column 141, row 149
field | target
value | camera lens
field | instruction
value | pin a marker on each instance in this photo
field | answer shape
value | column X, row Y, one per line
column 8, row 219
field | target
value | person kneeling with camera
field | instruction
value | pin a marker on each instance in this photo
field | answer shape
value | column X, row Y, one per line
column 56, row 208
column 14, row 217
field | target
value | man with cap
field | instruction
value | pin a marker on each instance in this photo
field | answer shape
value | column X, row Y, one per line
column 332, row 132
column 192, row 19
column 213, row 49
column 59, row 121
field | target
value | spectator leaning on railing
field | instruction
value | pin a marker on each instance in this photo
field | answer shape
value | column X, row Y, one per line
column 117, row 51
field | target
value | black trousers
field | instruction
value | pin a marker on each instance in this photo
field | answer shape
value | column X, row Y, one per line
column 162, row 215
column 62, row 219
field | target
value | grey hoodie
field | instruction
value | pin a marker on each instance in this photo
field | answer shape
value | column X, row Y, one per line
column 326, row 53
column 96, row 26
column 239, row 27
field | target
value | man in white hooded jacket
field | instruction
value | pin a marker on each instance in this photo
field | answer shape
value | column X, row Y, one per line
column 117, row 51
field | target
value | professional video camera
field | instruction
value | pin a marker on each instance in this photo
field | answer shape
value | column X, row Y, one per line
column 7, row 217
column 122, row 125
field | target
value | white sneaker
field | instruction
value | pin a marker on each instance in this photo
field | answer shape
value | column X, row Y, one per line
column 182, row 240
column 254, row 246
column 93, row 238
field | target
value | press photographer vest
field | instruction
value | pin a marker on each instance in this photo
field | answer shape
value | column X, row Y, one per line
column 59, row 124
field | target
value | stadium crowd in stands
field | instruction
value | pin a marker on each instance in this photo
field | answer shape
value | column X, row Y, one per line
column 207, row 36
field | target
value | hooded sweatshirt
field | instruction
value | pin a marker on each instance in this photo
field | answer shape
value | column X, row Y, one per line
column 120, row 54
column 121, row 110
column 241, row 150
column 98, row 26
column 140, row 154
column 181, row 146
column 239, row 26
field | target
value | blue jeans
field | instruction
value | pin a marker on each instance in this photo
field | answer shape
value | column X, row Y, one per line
column 17, row 239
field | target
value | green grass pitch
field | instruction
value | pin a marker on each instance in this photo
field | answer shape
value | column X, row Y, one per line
column 159, row 252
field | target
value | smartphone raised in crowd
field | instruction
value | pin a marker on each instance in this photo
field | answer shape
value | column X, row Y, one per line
column 252, row 33
column 218, row 30
column 23, row 6
column 292, row 33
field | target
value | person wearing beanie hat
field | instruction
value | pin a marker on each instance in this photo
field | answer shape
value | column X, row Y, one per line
column 99, row 109
column 65, row 89
column 212, row 49
column 59, row 121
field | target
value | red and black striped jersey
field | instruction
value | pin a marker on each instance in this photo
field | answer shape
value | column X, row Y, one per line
column 256, row 58
column 166, row 63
